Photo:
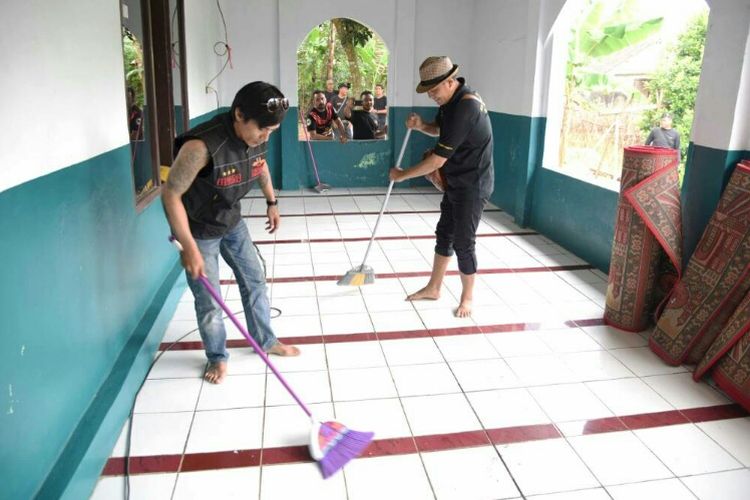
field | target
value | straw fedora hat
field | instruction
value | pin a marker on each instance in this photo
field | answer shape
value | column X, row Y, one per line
column 434, row 70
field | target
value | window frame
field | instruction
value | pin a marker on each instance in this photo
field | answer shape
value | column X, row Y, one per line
column 158, row 88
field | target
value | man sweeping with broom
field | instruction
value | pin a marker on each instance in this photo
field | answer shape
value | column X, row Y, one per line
column 216, row 165
column 464, row 156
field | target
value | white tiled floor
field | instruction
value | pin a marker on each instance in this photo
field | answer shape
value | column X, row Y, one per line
column 439, row 378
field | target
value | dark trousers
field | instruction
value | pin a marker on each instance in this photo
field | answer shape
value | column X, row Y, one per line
column 460, row 212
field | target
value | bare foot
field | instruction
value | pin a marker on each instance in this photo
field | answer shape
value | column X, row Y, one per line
column 425, row 293
column 464, row 309
column 216, row 372
column 280, row 349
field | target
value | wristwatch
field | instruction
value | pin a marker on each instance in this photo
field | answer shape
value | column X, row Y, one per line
column 272, row 203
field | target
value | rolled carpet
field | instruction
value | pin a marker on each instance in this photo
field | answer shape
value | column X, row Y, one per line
column 732, row 372
column 716, row 280
column 729, row 353
column 728, row 357
column 647, row 248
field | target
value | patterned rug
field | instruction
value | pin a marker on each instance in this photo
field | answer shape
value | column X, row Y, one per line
column 646, row 252
column 732, row 342
column 716, row 280
column 733, row 372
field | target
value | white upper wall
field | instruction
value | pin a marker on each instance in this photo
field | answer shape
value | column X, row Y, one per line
column 443, row 28
column 63, row 90
column 499, row 59
column 741, row 127
column 265, row 35
column 721, row 104
column 253, row 27
column 511, row 55
column 298, row 17
column 203, row 29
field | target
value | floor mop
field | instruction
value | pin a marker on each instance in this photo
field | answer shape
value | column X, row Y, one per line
column 363, row 274
column 332, row 444
column 320, row 186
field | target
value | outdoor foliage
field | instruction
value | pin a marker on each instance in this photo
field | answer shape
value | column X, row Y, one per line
column 133, row 59
column 600, row 113
column 606, row 27
column 345, row 51
column 674, row 88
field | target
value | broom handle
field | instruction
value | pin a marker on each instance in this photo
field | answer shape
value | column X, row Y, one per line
column 309, row 147
column 244, row 332
column 385, row 202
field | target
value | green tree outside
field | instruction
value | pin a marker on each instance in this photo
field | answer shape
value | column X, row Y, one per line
column 133, row 59
column 345, row 51
column 674, row 88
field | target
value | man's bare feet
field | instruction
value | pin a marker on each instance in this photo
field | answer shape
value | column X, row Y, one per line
column 280, row 349
column 464, row 309
column 216, row 372
column 426, row 293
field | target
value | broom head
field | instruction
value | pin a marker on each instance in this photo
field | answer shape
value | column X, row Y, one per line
column 322, row 187
column 333, row 445
column 357, row 276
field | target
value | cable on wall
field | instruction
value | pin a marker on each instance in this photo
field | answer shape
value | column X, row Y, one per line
column 221, row 49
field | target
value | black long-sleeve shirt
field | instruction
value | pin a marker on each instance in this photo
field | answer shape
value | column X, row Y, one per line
column 664, row 137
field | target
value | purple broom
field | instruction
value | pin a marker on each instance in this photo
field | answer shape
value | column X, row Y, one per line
column 332, row 444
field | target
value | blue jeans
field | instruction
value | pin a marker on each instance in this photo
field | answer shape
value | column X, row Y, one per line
column 237, row 249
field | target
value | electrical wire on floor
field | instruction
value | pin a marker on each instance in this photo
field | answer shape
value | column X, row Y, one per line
column 170, row 346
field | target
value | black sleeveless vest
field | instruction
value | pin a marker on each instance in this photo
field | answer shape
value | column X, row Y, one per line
column 213, row 200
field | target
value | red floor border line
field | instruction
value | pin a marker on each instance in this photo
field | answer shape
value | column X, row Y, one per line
column 389, row 238
column 387, row 212
column 404, row 445
column 421, row 274
column 195, row 345
column 341, row 195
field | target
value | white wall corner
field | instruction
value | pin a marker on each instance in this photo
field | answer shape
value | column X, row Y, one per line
column 722, row 87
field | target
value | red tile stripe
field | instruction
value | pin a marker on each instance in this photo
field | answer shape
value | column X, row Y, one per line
column 396, row 335
column 345, row 195
column 420, row 274
column 387, row 212
column 389, row 238
column 406, row 445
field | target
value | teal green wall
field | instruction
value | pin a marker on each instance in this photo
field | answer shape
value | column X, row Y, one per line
column 519, row 141
column 575, row 214
column 354, row 164
column 80, row 269
column 707, row 171
column 197, row 120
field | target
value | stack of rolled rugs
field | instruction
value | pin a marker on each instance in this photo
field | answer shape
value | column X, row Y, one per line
column 703, row 317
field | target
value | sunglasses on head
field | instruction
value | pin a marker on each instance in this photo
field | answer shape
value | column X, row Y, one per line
column 275, row 103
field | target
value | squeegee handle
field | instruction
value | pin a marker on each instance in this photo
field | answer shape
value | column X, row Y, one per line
column 212, row 291
column 385, row 201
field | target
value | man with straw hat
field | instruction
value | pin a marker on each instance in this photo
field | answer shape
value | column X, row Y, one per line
column 464, row 156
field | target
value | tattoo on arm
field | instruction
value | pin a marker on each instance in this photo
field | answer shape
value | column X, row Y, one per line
column 190, row 160
column 263, row 180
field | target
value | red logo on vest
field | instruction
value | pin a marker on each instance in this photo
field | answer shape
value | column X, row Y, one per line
column 257, row 167
column 229, row 177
